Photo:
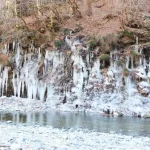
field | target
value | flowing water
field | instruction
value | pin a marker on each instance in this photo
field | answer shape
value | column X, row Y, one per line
column 78, row 120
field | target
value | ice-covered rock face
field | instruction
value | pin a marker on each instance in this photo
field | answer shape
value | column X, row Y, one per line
column 75, row 76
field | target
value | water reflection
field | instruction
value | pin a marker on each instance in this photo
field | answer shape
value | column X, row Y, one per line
column 66, row 120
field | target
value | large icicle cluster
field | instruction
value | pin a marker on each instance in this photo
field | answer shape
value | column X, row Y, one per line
column 76, row 77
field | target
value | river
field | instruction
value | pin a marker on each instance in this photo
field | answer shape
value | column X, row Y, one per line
column 78, row 120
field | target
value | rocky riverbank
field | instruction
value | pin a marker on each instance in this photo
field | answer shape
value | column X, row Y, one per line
column 47, row 138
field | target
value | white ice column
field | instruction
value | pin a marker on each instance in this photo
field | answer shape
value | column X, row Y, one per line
column 137, row 44
column 132, row 65
column 29, row 89
column 39, row 55
column 140, row 60
column 50, row 91
column 18, row 56
column 14, row 86
column 14, row 43
column 22, row 87
column 34, row 88
column 18, row 85
column 5, row 80
column 129, row 86
column 41, row 90
column 127, row 62
column 96, row 69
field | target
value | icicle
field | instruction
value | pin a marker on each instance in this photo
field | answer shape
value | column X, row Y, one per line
column 50, row 91
column 29, row 89
column 144, row 62
column 14, row 84
column 39, row 55
column 129, row 86
column 22, row 88
column 41, row 90
column 34, row 89
column 127, row 62
column 140, row 60
column 31, row 84
column 119, row 84
column 5, row 80
column 137, row 45
column 14, row 43
column 45, row 66
column 132, row 66
column 1, row 80
column 18, row 57
column 80, row 85
column 96, row 69
column 19, row 87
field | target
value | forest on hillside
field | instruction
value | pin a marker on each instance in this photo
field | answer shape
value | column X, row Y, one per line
column 48, row 17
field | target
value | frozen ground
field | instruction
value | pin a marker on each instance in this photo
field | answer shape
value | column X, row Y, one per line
column 48, row 138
